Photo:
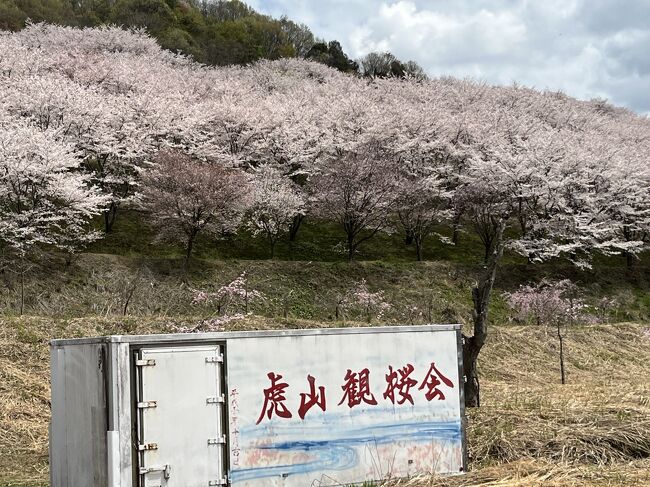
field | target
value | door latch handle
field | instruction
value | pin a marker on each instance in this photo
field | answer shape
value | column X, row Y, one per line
column 166, row 470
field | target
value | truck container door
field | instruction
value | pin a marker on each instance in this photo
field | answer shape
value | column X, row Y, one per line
column 180, row 416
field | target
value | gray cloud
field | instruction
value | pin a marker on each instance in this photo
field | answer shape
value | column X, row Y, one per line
column 587, row 48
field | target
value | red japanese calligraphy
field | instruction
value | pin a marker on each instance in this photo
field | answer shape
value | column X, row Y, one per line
column 274, row 399
column 312, row 398
column 432, row 381
column 357, row 389
column 401, row 384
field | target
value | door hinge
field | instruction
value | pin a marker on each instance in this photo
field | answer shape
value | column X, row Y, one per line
column 149, row 362
column 217, row 441
column 166, row 470
column 148, row 446
column 223, row 481
column 214, row 359
column 216, row 400
column 147, row 404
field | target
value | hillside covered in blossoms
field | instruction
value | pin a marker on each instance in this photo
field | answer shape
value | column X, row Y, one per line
column 97, row 120
column 101, row 103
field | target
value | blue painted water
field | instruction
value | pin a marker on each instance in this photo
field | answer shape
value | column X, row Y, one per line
column 340, row 453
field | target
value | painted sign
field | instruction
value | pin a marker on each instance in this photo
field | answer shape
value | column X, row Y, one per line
column 333, row 409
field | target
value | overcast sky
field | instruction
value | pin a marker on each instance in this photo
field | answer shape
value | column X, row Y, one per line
column 586, row 48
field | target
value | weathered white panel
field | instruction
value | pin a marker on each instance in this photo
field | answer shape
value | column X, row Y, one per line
column 119, row 419
column 113, row 451
column 362, row 431
column 183, row 424
column 78, row 443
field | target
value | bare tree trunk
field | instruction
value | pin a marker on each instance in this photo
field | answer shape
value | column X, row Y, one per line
column 455, row 237
column 481, row 299
column 295, row 226
column 409, row 238
column 350, row 247
column 629, row 256
column 127, row 301
column 418, row 247
column 130, row 292
column 561, row 338
column 22, row 289
column 488, row 247
column 188, row 251
column 110, row 215
column 285, row 304
column 339, row 312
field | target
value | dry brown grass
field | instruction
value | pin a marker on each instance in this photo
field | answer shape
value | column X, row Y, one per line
column 530, row 430
column 533, row 473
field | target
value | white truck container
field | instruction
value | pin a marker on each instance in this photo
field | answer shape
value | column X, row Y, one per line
column 318, row 407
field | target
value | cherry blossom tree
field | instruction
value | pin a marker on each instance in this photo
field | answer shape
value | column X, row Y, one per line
column 549, row 303
column 422, row 204
column 371, row 303
column 418, row 141
column 45, row 202
column 188, row 197
column 631, row 211
column 275, row 201
column 357, row 191
column 626, row 201
column 114, row 94
column 235, row 293
column 359, row 297
column 543, row 159
column 499, row 167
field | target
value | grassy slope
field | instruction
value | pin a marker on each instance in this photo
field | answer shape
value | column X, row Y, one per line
column 594, row 430
column 305, row 281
